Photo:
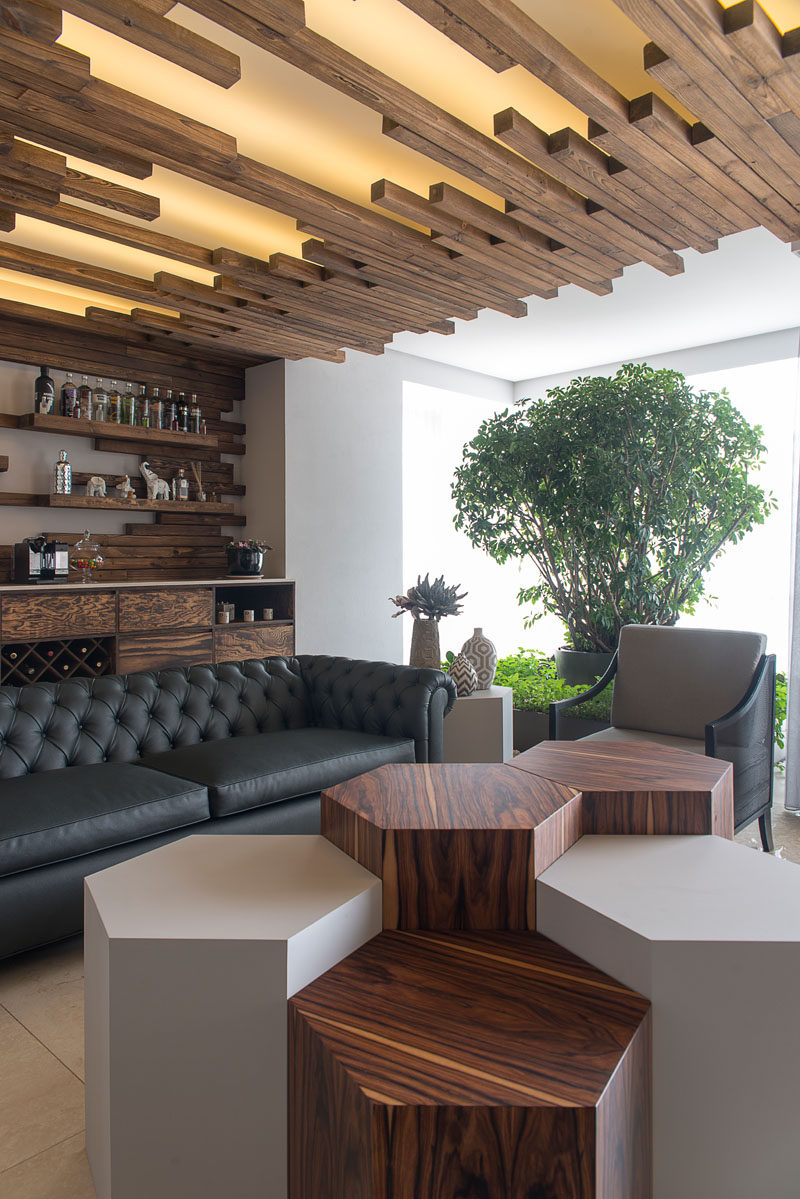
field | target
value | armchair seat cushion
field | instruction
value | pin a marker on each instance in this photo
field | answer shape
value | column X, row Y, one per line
column 615, row 734
column 248, row 772
column 47, row 817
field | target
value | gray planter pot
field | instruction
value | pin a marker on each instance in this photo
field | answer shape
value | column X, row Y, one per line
column 577, row 666
column 532, row 727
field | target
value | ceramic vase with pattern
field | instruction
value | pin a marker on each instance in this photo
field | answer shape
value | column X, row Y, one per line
column 425, row 644
column 462, row 672
column 483, row 656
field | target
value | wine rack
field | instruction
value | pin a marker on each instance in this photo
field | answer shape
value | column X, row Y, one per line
column 51, row 661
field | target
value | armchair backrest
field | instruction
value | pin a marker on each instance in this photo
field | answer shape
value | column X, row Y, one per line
column 675, row 680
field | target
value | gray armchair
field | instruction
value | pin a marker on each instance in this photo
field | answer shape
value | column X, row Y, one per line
column 711, row 691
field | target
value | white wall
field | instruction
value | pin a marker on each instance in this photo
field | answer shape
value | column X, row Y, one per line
column 344, row 493
column 263, row 469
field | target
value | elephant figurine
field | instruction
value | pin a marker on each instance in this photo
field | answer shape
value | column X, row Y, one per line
column 157, row 489
column 96, row 486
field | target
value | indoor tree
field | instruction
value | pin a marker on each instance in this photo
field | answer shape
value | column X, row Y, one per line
column 621, row 491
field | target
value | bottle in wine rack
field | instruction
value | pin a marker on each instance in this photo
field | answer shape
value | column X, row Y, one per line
column 44, row 393
column 69, row 396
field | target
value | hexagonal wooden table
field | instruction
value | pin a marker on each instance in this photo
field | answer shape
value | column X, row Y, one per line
column 456, row 846
column 430, row 1065
column 638, row 787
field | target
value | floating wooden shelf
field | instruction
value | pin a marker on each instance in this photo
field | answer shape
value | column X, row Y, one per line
column 111, row 430
column 119, row 505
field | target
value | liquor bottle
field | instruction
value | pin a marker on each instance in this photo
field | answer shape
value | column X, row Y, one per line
column 114, row 404
column 101, row 402
column 181, row 484
column 129, row 406
column 196, row 415
column 143, row 403
column 69, row 394
column 83, row 404
column 62, row 475
column 172, row 411
column 156, row 411
column 45, row 393
column 183, row 413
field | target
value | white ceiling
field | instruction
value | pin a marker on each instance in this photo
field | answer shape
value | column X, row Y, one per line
column 750, row 285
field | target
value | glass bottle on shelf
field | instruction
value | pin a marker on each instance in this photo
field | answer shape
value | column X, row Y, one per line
column 156, row 411
column 180, row 485
column 62, row 475
column 129, row 406
column 44, row 393
column 196, row 416
column 183, row 413
column 69, row 395
column 143, row 405
column 83, row 404
column 114, row 404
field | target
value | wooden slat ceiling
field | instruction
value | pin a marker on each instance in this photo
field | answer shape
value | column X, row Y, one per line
column 513, row 209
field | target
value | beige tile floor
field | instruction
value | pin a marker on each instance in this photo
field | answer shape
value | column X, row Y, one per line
column 42, row 1153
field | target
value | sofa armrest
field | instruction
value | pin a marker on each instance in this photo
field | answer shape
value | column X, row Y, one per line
column 380, row 698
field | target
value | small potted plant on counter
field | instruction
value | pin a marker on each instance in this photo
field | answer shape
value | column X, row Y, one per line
column 246, row 557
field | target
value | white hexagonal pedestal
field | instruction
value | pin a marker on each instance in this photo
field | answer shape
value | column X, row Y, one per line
column 709, row 931
column 191, row 954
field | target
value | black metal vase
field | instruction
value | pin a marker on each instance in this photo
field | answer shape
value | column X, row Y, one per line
column 244, row 560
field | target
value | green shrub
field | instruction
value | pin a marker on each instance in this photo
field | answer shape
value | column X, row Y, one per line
column 532, row 678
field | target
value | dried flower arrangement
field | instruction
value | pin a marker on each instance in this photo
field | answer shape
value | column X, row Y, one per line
column 430, row 600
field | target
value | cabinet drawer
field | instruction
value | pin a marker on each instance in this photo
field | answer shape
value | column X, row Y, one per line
column 164, row 608
column 57, row 614
column 257, row 641
column 153, row 650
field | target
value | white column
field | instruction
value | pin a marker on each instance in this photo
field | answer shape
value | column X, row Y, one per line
column 191, row 953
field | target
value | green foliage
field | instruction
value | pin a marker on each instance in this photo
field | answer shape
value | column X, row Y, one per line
column 620, row 491
column 532, row 677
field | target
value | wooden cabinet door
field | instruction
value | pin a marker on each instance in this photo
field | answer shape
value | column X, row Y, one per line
column 233, row 644
column 165, row 608
column 150, row 651
column 32, row 617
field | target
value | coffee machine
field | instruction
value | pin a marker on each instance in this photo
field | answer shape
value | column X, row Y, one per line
column 37, row 560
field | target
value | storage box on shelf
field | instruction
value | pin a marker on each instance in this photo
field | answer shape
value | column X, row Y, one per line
column 99, row 629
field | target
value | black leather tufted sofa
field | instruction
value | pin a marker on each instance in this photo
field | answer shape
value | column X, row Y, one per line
column 93, row 771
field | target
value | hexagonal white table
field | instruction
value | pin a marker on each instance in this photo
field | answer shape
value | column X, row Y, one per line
column 709, row 931
column 191, row 952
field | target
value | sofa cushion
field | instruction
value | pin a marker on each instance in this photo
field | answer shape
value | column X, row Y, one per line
column 53, row 816
column 243, row 772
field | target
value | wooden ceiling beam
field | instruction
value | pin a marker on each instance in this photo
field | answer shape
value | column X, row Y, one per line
column 54, row 67
column 8, row 218
column 529, row 45
column 717, row 101
column 79, row 274
column 17, row 194
column 110, row 195
column 476, row 43
column 35, row 164
column 137, row 24
column 34, row 18
column 566, row 263
column 97, row 224
column 29, row 116
column 268, row 17
column 565, row 155
column 756, row 201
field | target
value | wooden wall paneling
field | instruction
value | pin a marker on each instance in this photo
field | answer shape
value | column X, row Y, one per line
column 140, row 25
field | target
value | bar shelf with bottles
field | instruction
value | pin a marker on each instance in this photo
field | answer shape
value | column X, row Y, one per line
column 144, row 411
column 51, row 661
column 70, row 427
